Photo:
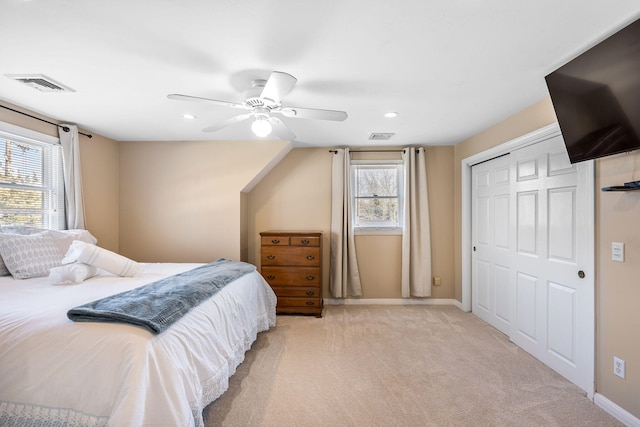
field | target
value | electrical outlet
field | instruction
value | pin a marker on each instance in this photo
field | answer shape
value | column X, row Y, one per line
column 618, row 367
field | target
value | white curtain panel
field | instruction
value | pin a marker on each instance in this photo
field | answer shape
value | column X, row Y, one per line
column 344, row 277
column 416, row 235
column 74, row 200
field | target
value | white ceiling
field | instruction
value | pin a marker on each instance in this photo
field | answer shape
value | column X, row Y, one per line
column 451, row 68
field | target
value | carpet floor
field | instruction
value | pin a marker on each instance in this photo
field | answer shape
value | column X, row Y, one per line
column 396, row 366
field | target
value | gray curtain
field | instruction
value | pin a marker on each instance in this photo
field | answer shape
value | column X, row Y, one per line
column 416, row 235
column 344, row 277
column 74, row 200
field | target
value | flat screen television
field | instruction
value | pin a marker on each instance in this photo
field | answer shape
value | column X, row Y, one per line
column 596, row 97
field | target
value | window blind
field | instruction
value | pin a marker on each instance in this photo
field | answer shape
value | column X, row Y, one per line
column 31, row 183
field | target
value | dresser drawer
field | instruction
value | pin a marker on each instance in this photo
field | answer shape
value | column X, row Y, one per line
column 286, row 276
column 297, row 292
column 299, row 302
column 290, row 255
column 305, row 241
column 275, row 240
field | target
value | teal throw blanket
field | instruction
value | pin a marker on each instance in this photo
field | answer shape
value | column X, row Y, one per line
column 158, row 305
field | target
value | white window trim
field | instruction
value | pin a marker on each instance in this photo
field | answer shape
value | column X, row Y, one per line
column 380, row 231
column 17, row 133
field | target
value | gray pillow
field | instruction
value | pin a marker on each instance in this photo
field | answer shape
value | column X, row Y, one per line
column 29, row 256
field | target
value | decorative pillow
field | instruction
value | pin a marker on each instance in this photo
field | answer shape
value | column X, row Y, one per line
column 71, row 274
column 15, row 229
column 29, row 256
column 102, row 258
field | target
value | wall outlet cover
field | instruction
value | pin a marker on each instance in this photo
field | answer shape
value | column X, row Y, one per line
column 618, row 367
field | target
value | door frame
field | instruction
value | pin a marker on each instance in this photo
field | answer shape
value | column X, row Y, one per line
column 539, row 135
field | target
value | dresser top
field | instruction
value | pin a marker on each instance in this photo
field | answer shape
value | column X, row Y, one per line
column 290, row 233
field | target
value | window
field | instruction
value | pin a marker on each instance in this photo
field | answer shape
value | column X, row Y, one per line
column 31, row 180
column 377, row 194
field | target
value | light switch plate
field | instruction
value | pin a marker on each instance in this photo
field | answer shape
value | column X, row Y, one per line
column 617, row 251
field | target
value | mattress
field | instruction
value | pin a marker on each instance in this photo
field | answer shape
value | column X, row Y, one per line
column 53, row 370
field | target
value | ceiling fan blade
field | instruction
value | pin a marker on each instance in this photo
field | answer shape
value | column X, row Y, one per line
column 278, row 85
column 281, row 130
column 225, row 123
column 313, row 113
column 179, row 97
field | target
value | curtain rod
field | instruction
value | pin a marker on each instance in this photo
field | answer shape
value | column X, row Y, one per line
column 64, row 128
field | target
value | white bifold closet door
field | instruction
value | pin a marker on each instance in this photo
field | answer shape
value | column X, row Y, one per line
column 532, row 265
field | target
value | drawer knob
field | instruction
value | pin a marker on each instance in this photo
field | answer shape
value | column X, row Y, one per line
column 310, row 294
column 311, row 277
column 305, row 242
column 310, row 303
column 275, row 241
column 271, row 257
column 271, row 277
column 310, row 257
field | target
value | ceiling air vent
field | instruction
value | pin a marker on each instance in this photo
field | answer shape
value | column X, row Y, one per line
column 378, row 136
column 40, row 82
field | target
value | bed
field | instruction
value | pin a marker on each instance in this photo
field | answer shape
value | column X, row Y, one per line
column 54, row 371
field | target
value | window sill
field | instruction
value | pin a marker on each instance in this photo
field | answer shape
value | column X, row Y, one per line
column 377, row 231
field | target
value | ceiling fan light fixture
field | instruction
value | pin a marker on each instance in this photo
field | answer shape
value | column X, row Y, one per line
column 261, row 127
column 391, row 114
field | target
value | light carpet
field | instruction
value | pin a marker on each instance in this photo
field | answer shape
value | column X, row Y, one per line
column 396, row 366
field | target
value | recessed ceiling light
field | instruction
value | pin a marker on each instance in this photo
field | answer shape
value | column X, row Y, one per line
column 189, row 116
column 391, row 114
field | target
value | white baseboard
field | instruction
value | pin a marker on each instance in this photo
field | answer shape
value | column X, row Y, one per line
column 390, row 301
column 615, row 411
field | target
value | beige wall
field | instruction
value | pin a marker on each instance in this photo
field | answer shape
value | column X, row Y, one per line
column 181, row 201
column 99, row 159
column 617, row 284
column 296, row 195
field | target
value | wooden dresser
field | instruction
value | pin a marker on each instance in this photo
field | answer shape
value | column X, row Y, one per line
column 291, row 262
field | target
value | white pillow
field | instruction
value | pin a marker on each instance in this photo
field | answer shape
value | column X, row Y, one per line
column 102, row 258
column 29, row 256
column 71, row 274
column 64, row 238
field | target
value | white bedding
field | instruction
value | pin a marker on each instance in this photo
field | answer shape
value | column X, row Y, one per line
column 55, row 370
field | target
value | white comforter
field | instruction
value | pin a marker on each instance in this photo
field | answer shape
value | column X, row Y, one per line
column 54, row 370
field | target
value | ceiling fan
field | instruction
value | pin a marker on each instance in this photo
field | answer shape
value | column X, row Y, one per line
column 263, row 99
